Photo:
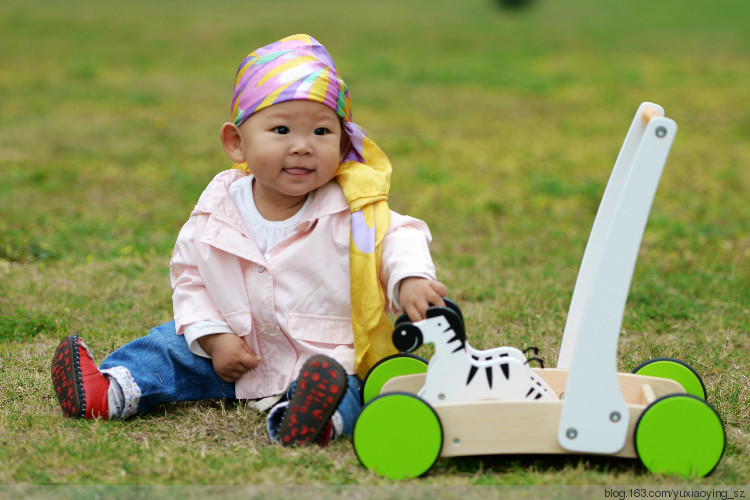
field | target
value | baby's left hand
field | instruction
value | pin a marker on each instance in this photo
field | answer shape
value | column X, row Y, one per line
column 417, row 294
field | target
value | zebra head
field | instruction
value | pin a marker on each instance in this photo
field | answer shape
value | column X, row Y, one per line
column 442, row 326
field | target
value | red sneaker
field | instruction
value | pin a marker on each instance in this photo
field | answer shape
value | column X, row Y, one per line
column 81, row 389
column 321, row 386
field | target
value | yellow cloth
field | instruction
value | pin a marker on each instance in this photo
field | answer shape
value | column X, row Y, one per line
column 366, row 187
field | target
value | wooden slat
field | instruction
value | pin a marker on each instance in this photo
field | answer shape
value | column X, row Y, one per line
column 630, row 384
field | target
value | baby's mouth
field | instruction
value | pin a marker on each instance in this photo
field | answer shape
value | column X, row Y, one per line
column 297, row 171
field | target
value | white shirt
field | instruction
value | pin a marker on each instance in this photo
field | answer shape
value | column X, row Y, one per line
column 267, row 233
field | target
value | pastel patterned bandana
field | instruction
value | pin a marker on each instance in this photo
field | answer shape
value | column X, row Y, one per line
column 299, row 68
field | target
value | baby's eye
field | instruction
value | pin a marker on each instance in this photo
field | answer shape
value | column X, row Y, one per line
column 281, row 129
column 322, row 131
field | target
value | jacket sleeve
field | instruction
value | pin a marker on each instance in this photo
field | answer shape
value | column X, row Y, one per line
column 406, row 254
column 190, row 298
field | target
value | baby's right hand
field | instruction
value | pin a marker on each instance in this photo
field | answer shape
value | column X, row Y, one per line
column 231, row 355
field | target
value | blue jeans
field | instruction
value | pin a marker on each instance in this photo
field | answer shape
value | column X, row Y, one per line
column 166, row 371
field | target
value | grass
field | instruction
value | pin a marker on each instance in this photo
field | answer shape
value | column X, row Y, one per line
column 502, row 127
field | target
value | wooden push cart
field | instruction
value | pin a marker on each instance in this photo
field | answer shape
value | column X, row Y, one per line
column 471, row 402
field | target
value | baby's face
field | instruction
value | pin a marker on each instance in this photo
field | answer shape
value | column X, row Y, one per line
column 292, row 148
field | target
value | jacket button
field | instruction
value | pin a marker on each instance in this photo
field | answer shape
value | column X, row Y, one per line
column 260, row 268
column 269, row 328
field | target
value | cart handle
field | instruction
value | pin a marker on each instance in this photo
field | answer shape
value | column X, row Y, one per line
column 649, row 113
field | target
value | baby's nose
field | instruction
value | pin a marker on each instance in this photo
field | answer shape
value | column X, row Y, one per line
column 301, row 146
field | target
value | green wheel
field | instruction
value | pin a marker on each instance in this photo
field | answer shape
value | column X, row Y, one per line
column 398, row 436
column 386, row 369
column 680, row 434
column 676, row 370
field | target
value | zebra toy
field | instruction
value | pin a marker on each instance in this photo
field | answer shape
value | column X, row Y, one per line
column 459, row 373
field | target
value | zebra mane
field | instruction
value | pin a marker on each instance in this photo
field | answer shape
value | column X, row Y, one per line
column 454, row 320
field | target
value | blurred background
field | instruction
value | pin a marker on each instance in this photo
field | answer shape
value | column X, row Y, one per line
column 502, row 118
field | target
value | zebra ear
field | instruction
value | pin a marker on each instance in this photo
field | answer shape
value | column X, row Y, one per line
column 454, row 320
column 454, row 307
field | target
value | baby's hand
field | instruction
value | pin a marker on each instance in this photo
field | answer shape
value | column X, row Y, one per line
column 417, row 294
column 231, row 355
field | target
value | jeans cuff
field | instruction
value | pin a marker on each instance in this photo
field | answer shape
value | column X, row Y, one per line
column 130, row 391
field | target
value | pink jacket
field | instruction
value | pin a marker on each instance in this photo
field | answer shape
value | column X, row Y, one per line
column 293, row 301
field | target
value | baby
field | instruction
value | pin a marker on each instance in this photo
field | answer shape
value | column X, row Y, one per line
column 284, row 273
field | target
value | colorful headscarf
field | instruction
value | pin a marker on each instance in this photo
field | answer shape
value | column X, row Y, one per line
column 299, row 68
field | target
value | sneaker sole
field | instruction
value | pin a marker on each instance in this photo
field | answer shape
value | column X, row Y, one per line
column 321, row 386
column 66, row 378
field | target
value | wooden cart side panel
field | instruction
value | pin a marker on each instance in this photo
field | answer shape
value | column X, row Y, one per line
column 404, row 383
column 501, row 427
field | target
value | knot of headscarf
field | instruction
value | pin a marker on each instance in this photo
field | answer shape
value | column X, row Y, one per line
column 299, row 68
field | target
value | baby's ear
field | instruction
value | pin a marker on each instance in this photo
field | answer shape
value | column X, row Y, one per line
column 346, row 145
column 232, row 142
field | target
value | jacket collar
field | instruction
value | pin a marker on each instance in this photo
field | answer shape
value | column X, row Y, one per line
column 215, row 201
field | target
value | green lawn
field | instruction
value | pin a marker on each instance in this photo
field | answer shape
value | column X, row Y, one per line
column 502, row 126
